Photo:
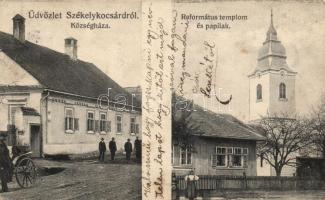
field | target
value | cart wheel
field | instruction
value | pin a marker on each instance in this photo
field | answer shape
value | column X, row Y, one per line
column 25, row 172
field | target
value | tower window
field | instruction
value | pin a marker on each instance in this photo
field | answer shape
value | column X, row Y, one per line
column 259, row 92
column 282, row 91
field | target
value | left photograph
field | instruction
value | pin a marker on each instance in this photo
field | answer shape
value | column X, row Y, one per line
column 70, row 100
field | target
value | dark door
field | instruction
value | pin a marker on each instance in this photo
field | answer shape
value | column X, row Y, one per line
column 35, row 141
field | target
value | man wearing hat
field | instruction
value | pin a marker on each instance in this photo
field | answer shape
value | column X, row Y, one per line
column 128, row 150
column 5, row 163
column 102, row 149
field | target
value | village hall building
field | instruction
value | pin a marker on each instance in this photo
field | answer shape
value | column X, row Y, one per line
column 55, row 103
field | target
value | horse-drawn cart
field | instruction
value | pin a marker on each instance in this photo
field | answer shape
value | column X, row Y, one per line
column 24, row 170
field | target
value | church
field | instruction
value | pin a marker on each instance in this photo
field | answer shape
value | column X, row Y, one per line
column 54, row 103
column 271, row 89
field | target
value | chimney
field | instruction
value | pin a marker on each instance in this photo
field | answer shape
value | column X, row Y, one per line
column 19, row 27
column 71, row 47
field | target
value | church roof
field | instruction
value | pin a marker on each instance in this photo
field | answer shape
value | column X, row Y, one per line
column 272, row 55
column 57, row 71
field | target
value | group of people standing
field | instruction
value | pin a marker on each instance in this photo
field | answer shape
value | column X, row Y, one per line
column 113, row 148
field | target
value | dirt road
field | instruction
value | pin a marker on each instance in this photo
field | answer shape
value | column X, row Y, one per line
column 83, row 180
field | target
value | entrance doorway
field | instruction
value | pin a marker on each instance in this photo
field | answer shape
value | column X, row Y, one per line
column 35, row 140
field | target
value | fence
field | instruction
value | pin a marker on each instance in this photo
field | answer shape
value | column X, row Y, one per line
column 209, row 182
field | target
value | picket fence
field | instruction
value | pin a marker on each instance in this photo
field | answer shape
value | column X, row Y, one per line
column 210, row 182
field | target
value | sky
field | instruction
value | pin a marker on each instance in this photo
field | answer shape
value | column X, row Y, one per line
column 115, row 51
column 300, row 28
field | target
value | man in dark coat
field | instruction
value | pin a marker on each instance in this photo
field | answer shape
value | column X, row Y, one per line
column 112, row 148
column 5, row 163
column 128, row 149
column 137, row 147
column 102, row 150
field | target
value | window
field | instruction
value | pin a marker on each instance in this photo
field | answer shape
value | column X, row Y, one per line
column 230, row 157
column 259, row 92
column 119, row 123
column 237, row 158
column 186, row 156
column 282, row 91
column 103, row 123
column 71, row 123
column 134, row 127
column 90, row 121
column 132, row 124
column 221, row 156
column 181, row 156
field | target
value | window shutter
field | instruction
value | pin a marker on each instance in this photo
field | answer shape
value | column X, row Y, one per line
column 97, row 125
column 76, row 124
column 137, row 128
column 108, row 126
column 65, row 123
column 213, row 158
column 230, row 161
column 245, row 161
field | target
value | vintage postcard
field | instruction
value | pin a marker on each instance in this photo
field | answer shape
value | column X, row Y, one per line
column 247, row 99
column 70, row 90
column 162, row 99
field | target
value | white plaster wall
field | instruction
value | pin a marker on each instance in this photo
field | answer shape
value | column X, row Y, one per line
column 259, row 108
column 13, row 74
column 277, row 106
column 57, row 140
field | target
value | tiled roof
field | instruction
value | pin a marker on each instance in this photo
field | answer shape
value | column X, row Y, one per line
column 18, row 88
column 29, row 111
column 56, row 71
column 209, row 124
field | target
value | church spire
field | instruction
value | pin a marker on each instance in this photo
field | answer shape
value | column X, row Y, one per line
column 271, row 17
column 271, row 33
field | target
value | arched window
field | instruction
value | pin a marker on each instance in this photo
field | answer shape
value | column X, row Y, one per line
column 259, row 92
column 282, row 91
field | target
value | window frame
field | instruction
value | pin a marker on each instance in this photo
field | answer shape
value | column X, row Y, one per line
column 93, row 121
column 259, row 92
column 134, row 125
column 187, row 151
column 103, row 123
column 222, row 154
column 66, row 127
column 116, row 123
column 282, row 91
column 229, row 154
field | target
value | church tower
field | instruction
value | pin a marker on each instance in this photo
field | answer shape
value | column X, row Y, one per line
column 272, row 83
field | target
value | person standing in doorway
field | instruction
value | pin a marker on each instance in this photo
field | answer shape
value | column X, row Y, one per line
column 102, row 150
column 112, row 148
column 5, row 163
column 128, row 150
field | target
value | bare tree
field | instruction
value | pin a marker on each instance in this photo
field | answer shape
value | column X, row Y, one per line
column 182, row 133
column 284, row 138
column 318, row 125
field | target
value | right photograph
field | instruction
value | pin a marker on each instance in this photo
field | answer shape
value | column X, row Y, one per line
column 248, row 102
